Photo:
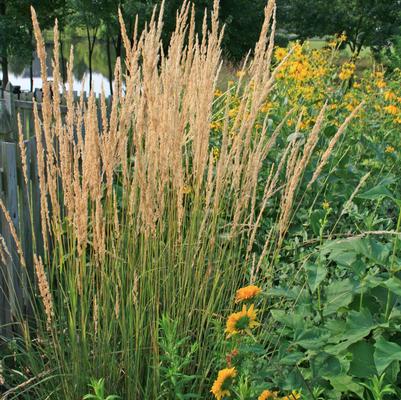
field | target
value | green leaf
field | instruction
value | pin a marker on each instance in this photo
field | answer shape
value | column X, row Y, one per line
column 385, row 353
column 312, row 339
column 326, row 365
column 345, row 384
column 316, row 275
column 358, row 326
column 394, row 285
column 378, row 192
column 292, row 358
column 338, row 294
column 362, row 364
column 292, row 320
column 314, row 220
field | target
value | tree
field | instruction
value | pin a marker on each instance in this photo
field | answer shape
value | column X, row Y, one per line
column 87, row 14
column 243, row 21
column 365, row 22
column 14, row 34
column 111, row 25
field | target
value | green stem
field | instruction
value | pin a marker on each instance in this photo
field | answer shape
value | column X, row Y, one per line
column 392, row 269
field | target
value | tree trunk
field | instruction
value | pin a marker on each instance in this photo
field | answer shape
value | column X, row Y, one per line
column 90, row 57
column 63, row 68
column 4, row 68
column 4, row 60
column 31, row 73
column 109, row 66
column 91, row 47
column 31, row 65
column 119, row 45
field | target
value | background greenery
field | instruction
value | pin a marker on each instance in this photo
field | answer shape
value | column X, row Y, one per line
column 373, row 24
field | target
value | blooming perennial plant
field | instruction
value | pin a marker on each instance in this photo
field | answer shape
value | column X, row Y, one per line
column 239, row 326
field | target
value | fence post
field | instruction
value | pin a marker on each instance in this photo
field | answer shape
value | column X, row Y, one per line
column 9, row 104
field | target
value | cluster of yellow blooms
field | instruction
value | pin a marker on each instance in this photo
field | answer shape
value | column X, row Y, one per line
column 306, row 79
column 241, row 323
column 347, row 71
column 267, row 394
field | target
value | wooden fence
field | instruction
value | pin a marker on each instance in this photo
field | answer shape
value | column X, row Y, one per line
column 22, row 202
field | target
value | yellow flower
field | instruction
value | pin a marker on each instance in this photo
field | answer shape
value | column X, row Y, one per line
column 342, row 37
column 216, row 153
column 326, row 205
column 280, row 53
column 266, row 107
column 217, row 93
column 347, row 70
column 246, row 293
column 388, row 96
column 222, row 383
column 242, row 321
column 294, row 395
column 216, row 125
column 233, row 112
column 267, row 394
column 240, row 73
column 356, row 85
column 333, row 43
column 392, row 109
column 389, row 149
column 186, row 189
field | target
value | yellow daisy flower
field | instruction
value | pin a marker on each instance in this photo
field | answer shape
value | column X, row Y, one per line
column 389, row 96
column 347, row 70
column 392, row 109
column 222, row 383
column 326, row 205
column 186, row 189
column 280, row 53
column 267, row 394
column 246, row 293
column 241, row 321
column 389, row 149
column 294, row 395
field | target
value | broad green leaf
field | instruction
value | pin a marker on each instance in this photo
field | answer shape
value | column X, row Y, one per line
column 362, row 364
column 378, row 252
column 345, row 384
column 292, row 320
column 326, row 365
column 292, row 358
column 292, row 293
column 378, row 192
column 394, row 285
column 316, row 274
column 385, row 353
column 312, row 339
column 358, row 326
column 338, row 294
column 314, row 220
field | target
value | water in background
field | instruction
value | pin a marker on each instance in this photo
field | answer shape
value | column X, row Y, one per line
column 19, row 69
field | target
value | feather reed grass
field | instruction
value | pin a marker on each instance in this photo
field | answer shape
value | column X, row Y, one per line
column 140, row 219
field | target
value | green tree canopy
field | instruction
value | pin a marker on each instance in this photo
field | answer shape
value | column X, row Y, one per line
column 366, row 22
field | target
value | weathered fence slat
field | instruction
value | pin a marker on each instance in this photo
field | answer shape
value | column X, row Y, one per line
column 23, row 202
column 10, row 183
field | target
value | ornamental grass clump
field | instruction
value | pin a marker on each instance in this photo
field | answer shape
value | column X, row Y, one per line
column 141, row 216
